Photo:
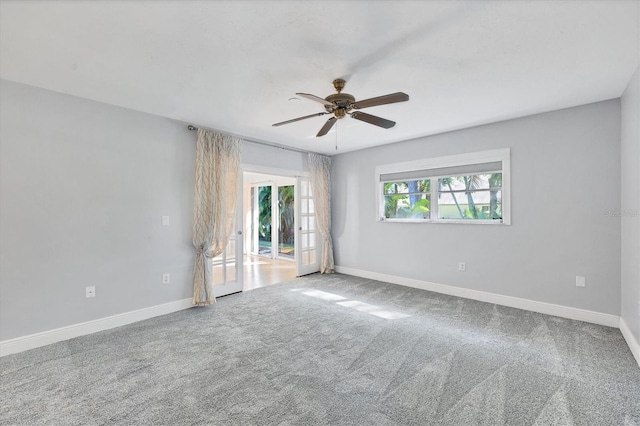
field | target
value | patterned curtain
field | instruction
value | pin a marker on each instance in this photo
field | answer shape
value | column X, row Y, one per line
column 217, row 168
column 320, row 168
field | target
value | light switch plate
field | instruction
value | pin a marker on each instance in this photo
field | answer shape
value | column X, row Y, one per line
column 165, row 221
column 581, row 281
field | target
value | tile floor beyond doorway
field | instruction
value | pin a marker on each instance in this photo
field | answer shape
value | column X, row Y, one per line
column 262, row 271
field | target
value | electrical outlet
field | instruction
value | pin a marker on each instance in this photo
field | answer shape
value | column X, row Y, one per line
column 166, row 278
column 90, row 291
column 462, row 267
column 581, row 281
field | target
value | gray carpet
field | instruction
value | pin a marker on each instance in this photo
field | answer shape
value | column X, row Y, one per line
column 332, row 350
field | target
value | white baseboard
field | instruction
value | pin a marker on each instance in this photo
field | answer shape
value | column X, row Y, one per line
column 631, row 341
column 513, row 302
column 32, row 341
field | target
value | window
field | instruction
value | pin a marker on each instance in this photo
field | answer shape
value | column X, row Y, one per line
column 466, row 188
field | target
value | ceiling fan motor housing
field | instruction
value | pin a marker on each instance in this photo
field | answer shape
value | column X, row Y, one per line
column 342, row 102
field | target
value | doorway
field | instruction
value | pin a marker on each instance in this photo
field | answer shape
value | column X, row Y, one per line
column 269, row 229
column 284, row 248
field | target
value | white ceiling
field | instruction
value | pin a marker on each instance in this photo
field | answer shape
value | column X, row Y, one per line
column 234, row 65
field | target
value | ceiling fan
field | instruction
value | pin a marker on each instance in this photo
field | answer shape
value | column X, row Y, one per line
column 342, row 104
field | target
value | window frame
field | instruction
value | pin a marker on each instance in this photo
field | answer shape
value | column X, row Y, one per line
column 502, row 155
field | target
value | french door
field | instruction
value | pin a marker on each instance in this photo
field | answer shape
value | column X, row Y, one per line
column 228, row 265
column 306, row 237
column 273, row 225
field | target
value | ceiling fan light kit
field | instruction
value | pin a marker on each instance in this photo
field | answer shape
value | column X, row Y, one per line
column 343, row 104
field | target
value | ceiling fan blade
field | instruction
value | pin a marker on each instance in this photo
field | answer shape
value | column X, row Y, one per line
column 316, row 98
column 372, row 119
column 318, row 114
column 381, row 100
column 327, row 126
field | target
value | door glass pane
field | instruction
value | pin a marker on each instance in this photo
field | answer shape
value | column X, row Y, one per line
column 312, row 223
column 218, row 271
column 312, row 256
column 264, row 220
column 224, row 266
column 231, row 250
column 312, row 239
column 231, row 271
column 311, row 206
column 286, row 229
column 254, row 200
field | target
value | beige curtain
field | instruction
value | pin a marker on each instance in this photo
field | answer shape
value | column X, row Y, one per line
column 320, row 168
column 217, row 168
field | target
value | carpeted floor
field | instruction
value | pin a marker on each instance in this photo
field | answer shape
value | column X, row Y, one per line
column 333, row 350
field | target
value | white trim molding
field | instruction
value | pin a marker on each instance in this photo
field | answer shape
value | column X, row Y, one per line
column 513, row 302
column 631, row 341
column 23, row 343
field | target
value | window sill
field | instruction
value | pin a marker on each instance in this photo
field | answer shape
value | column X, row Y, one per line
column 448, row 221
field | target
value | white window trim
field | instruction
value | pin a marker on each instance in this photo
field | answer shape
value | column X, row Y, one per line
column 503, row 155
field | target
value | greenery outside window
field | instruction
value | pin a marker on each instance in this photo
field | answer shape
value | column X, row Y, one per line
column 470, row 196
column 408, row 199
column 465, row 188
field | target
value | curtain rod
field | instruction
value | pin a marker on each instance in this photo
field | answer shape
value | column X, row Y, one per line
column 192, row 128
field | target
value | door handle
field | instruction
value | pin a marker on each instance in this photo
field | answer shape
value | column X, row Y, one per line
column 239, row 232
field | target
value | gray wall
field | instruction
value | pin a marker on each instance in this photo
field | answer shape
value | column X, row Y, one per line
column 565, row 174
column 630, row 204
column 83, row 186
